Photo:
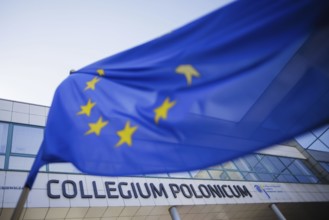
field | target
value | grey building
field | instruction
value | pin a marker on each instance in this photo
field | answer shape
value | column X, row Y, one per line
column 293, row 175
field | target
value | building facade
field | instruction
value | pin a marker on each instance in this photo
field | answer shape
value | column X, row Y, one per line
column 294, row 176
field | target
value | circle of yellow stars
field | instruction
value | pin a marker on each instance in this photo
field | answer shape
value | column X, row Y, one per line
column 125, row 135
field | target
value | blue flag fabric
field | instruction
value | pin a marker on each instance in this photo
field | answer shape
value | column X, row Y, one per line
column 241, row 78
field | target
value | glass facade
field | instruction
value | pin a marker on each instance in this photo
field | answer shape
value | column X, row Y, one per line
column 3, row 137
column 19, row 145
column 315, row 140
column 316, row 144
column 26, row 139
column 325, row 166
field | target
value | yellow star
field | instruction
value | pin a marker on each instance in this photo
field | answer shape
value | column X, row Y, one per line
column 161, row 112
column 188, row 71
column 125, row 135
column 96, row 127
column 101, row 72
column 86, row 109
column 91, row 84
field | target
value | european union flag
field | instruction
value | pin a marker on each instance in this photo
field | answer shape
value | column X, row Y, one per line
column 244, row 77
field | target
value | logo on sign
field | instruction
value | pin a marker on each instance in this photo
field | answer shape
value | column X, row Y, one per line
column 262, row 190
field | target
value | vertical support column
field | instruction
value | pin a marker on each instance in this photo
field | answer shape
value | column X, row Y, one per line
column 174, row 213
column 277, row 212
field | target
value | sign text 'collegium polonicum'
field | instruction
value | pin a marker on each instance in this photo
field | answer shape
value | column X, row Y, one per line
column 127, row 190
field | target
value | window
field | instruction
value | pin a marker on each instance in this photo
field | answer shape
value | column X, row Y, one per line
column 255, row 164
column 2, row 162
column 251, row 161
column 161, row 175
column 272, row 164
column 286, row 161
column 229, row 166
column 266, row 177
column 307, row 179
column 20, row 163
column 235, row 175
column 26, row 140
column 319, row 146
column 242, row 165
column 217, row 167
column 3, row 137
column 180, row 175
column 287, row 178
column 218, row 174
column 325, row 166
column 250, row 176
column 297, row 168
column 200, row 174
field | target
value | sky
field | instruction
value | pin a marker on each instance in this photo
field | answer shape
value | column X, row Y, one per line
column 41, row 41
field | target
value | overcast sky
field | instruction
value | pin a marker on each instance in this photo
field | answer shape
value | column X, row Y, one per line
column 41, row 41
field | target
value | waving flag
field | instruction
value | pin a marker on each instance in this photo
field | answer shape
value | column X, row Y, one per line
column 242, row 78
